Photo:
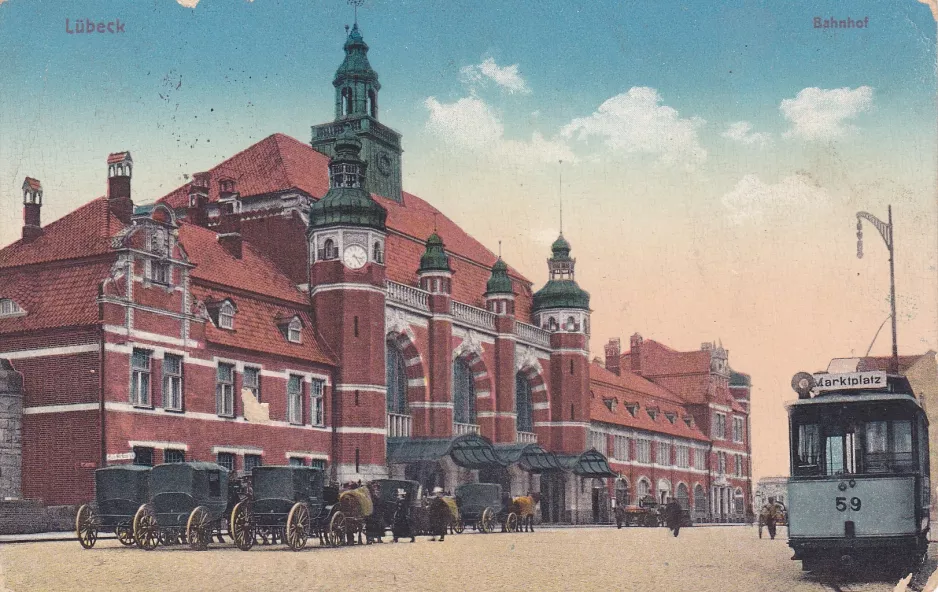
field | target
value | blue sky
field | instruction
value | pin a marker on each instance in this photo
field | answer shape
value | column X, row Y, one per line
column 714, row 153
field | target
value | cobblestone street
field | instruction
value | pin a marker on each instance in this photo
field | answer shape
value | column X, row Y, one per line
column 632, row 559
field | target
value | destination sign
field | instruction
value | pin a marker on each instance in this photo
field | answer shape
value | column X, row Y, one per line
column 850, row 380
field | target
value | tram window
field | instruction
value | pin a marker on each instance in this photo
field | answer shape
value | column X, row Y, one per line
column 808, row 446
column 835, row 455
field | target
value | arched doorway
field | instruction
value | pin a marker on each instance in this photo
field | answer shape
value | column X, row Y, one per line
column 683, row 496
column 464, row 393
column 396, row 375
column 664, row 491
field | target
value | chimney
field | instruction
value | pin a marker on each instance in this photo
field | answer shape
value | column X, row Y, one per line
column 32, row 204
column 635, row 357
column 229, row 233
column 226, row 189
column 119, row 165
column 613, row 353
column 197, row 213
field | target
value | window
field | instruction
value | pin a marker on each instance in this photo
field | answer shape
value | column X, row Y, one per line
column 329, row 250
column 738, row 501
column 700, row 458
column 377, row 254
column 719, row 429
column 294, row 331
column 227, row 460
column 251, row 461
column 632, row 408
column 224, row 390
column 683, row 457
column 620, row 449
column 808, row 446
column 721, row 463
column 663, row 456
column 700, row 499
column 464, row 392
column 160, row 272
column 172, row 382
column 523, row 404
column 214, row 484
column 888, row 446
column 140, row 378
column 643, row 488
column 318, row 463
column 738, row 465
column 295, row 399
column 683, row 498
column 738, row 429
column 297, row 461
column 315, row 403
column 9, row 308
column 643, row 450
column 597, row 441
column 143, row 456
column 174, row 456
column 226, row 316
column 396, row 375
column 251, row 380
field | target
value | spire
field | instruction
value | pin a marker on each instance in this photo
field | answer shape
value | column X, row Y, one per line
column 561, row 291
column 356, row 83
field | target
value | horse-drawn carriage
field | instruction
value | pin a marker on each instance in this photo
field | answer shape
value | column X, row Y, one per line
column 645, row 513
column 284, row 503
column 482, row 506
column 119, row 493
column 429, row 516
column 189, row 502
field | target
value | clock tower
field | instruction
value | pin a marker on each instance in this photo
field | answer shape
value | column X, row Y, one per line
column 356, row 104
column 346, row 238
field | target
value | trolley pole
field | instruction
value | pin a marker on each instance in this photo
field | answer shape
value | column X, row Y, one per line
column 886, row 231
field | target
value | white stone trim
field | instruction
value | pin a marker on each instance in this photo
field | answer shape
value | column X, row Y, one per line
column 478, row 335
column 67, row 350
column 311, row 455
column 570, row 350
column 541, row 405
column 561, row 424
column 237, row 450
column 360, row 430
column 430, row 405
column 719, row 407
column 483, row 394
column 347, row 388
column 346, row 286
column 511, row 414
column 67, row 408
column 158, row 445
column 135, row 334
column 414, row 382
column 729, row 451
column 119, row 407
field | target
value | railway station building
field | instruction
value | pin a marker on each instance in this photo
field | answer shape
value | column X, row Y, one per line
column 293, row 304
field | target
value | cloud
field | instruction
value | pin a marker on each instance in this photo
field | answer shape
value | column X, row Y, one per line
column 752, row 200
column 506, row 77
column 741, row 131
column 473, row 125
column 823, row 114
column 188, row 3
column 637, row 122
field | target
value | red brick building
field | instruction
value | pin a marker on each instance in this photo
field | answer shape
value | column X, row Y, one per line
column 293, row 304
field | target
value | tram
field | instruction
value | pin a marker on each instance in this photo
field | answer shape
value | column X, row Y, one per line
column 859, row 486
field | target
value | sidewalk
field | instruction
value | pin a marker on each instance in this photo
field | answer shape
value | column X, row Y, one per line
column 45, row 537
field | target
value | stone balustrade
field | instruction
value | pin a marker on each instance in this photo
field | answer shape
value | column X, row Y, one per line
column 399, row 426
column 471, row 315
column 532, row 334
column 408, row 295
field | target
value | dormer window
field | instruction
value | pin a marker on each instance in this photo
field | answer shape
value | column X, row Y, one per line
column 652, row 413
column 689, row 420
column 9, row 308
column 671, row 416
column 632, row 408
column 226, row 316
column 294, row 331
column 611, row 404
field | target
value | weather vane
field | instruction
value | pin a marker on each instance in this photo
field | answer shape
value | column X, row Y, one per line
column 356, row 4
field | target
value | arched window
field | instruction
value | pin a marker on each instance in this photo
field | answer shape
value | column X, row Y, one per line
column 464, row 392
column 552, row 324
column 622, row 492
column 329, row 250
column 664, row 490
column 738, row 501
column 523, row 405
column 396, row 373
column 378, row 256
column 346, row 101
column 683, row 497
column 643, row 489
column 700, row 499
column 571, row 324
column 373, row 103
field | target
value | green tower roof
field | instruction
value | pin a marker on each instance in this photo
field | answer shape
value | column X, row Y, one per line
column 561, row 248
column 347, row 203
column 356, row 63
column 434, row 257
column 561, row 294
column 499, row 282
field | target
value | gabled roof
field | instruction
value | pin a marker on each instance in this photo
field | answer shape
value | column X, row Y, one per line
column 84, row 232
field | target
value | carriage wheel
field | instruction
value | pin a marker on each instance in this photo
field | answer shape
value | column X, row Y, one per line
column 198, row 529
column 240, row 528
column 125, row 533
column 146, row 531
column 459, row 527
column 297, row 532
column 487, row 521
column 336, row 532
column 86, row 526
column 511, row 522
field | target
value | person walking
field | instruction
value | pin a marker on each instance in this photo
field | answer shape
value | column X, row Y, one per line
column 769, row 517
column 673, row 515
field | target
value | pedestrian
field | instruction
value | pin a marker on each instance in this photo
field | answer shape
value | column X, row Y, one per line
column 673, row 515
column 439, row 514
column 401, row 527
column 769, row 517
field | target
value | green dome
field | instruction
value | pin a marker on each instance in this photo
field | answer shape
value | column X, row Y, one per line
column 499, row 282
column 434, row 258
column 355, row 65
column 347, row 203
column 560, row 248
column 561, row 294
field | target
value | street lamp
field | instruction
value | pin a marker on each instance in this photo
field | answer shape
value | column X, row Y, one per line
column 885, row 230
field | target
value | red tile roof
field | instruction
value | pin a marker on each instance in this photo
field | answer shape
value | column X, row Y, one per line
column 256, row 329
column 116, row 157
column 84, row 232
column 53, row 296
column 33, row 183
column 280, row 163
column 634, row 389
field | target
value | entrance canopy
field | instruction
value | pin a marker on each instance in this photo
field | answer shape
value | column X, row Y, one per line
column 470, row 451
column 589, row 464
column 530, row 457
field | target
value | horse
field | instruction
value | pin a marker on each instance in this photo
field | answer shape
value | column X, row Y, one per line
column 440, row 515
column 524, row 507
column 355, row 503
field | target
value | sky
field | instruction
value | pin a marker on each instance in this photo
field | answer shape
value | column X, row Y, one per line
column 710, row 157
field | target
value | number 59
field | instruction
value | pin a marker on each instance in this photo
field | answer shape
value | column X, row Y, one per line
column 841, row 504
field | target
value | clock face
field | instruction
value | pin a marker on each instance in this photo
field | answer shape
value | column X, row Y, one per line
column 384, row 164
column 355, row 256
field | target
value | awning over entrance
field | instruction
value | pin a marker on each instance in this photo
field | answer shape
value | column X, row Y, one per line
column 469, row 451
column 589, row 464
column 530, row 457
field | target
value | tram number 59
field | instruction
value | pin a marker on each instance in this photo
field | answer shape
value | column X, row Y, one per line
column 841, row 504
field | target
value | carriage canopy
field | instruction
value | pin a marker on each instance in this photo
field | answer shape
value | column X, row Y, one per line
column 201, row 480
column 123, row 482
column 287, row 483
column 474, row 497
column 469, row 451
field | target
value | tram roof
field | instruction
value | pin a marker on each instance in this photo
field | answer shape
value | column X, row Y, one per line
column 854, row 397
